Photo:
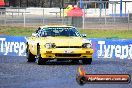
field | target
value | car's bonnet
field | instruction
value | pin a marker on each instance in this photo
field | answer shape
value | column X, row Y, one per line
column 64, row 41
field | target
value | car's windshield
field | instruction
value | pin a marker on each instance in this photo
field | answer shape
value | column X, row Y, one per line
column 59, row 31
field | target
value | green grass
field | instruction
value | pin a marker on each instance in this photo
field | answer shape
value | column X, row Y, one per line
column 17, row 31
column 91, row 33
column 111, row 33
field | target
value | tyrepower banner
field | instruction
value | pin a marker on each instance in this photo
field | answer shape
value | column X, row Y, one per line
column 112, row 48
column 12, row 45
column 103, row 48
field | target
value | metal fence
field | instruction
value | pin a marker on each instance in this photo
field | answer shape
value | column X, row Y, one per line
column 43, row 16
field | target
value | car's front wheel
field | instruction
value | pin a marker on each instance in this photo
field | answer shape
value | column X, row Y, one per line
column 30, row 56
column 41, row 61
column 87, row 61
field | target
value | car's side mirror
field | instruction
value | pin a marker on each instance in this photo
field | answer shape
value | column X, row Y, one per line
column 84, row 35
column 34, row 34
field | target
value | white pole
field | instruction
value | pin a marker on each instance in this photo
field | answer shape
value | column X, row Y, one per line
column 105, row 12
column 128, row 20
column 84, row 17
column 18, row 11
column 24, row 18
column 63, row 17
column 114, row 13
column 5, row 17
column 43, row 15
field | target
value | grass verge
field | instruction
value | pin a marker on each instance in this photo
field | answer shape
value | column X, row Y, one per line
column 91, row 33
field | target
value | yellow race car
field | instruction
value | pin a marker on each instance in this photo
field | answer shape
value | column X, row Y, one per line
column 58, row 42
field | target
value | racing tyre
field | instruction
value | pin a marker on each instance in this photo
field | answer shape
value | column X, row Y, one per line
column 30, row 56
column 87, row 61
column 41, row 61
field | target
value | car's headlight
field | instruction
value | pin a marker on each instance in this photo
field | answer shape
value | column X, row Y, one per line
column 86, row 45
column 50, row 45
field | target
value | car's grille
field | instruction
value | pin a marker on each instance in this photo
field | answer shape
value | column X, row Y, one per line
column 68, row 46
column 67, row 55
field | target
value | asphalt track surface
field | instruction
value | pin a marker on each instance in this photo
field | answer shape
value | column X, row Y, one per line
column 15, row 72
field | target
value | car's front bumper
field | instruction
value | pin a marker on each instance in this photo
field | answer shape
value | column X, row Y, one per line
column 66, row 53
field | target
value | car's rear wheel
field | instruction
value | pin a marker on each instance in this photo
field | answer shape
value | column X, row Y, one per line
column 30, row 56
column 41, row 61
column 87, row 61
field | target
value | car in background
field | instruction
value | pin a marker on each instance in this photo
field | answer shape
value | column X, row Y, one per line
column 63, row 42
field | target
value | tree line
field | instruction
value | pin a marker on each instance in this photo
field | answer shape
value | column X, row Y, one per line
column 39, row 3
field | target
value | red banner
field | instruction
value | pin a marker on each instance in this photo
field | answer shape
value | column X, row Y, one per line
column 2, row 3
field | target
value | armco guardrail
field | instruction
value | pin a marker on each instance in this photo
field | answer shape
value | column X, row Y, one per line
column 103, row 48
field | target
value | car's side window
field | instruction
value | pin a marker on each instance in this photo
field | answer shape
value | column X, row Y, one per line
column 38, row 30
column 39, row 33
